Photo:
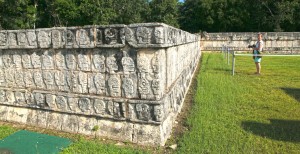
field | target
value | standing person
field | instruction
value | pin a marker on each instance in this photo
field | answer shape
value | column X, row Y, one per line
column 257, row 50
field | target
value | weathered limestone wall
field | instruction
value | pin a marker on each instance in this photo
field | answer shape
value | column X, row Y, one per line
column 287, row 42
column 129, row 80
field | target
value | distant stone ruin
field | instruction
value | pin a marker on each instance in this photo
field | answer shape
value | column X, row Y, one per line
column 124, row 82
column 274, row 42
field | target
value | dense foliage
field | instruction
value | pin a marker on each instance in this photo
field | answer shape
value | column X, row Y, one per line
column 191, row 15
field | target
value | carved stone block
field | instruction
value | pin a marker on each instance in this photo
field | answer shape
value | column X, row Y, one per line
column 36, row 59
column 31, row 39
column 29, row 80
column 117, row 111
column 130, row 37
column 128, row 64
column 60, row 61
column 72, row 80
column 85, row 37
column 20, row 98
column 17, row 115
column 144, row 86
column 111, row 64
column 159, row 35
column 10, row 77
column 32, row 118
column 42, row 117
column 99, row 107
column 129, row 86
column 60, row 78
column 44, row 38
column 114, row 86
column 58, row 40
column 84, row 61
column 143, row 35
column 110, row 108
column 7, row 59
column 1, row 60
column 71, row 38
column 98, row 62
column 54, row 121
column 71, row 60
column 48, row 78
column 99, row 37
column 111, row 35
column 84, row 105
column 123, row 35
column 19, row 76
column 38, row 80
column 50, row 101
column 100, row 83
column 40, row 99
column 10, row 97
column 12, row 39
column 91, row 84
column 2, row 96
column 87, row 125
column 47, row 59
column 3, row 40
column 22, row 39
column 73, row 104
column 70, row 123
column 143, row 112
column 26, row 60
column 82, row 82
column 2, row 78
column 143, row 64
column 61, row 103
column 29, row 98
column 158, row 113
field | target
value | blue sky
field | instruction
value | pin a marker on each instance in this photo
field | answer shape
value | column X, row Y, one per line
column 181, row 0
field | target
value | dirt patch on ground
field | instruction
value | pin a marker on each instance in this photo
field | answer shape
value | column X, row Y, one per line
column 181, row 126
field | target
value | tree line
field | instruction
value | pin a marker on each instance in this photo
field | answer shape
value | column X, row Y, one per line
column 191, row 15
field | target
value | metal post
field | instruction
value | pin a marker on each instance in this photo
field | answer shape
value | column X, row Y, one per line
column 228, row 51
column 222, row 49
column 292, row 47
column 233, row 62
column 225, row 49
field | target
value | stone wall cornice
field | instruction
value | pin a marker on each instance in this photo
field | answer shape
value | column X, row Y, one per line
column 143, row 35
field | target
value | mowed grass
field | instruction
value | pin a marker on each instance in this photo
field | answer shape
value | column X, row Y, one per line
column 245, row 113
column 84, row 146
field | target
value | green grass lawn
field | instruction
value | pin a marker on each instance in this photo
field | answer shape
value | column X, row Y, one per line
column 244, row 113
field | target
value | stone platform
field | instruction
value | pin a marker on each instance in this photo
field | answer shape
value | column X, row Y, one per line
column 128, row 80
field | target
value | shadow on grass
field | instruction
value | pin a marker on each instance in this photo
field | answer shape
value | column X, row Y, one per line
column 294, row 92
column 282, row 130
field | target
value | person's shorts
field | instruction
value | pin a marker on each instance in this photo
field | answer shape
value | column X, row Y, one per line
column 257, row 60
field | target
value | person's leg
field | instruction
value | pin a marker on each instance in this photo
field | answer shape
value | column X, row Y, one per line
column 258, row 67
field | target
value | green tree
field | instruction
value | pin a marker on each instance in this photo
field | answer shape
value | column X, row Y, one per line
column 131, row 11
column 17, row 14
column 196, row 15
column 97, row 12
column 165, row 11
column 240, row 15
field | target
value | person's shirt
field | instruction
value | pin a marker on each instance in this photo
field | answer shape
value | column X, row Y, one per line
column 261, row 43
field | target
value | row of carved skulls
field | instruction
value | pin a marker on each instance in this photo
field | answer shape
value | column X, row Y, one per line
column 81, row 105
